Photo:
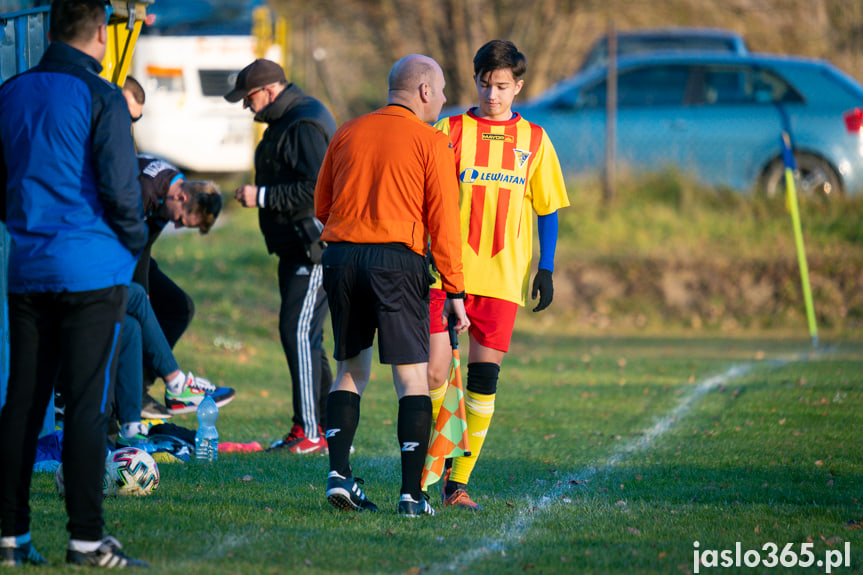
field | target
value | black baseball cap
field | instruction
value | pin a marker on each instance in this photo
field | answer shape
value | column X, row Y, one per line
column 258, row 74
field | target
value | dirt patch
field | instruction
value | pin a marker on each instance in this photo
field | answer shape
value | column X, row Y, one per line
column 715, row 293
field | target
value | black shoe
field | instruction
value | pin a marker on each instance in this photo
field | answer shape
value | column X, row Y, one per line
column 108, row 555
column 345, row 493
column 152, row 409
column 410, row 507
column 21, row 555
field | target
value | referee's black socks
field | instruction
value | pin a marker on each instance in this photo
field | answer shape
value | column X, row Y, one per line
column 414, row 428
column 343, row 416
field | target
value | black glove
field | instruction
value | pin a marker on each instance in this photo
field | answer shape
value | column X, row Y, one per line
column 543, row 285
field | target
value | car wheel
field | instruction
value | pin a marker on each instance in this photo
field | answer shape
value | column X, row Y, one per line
column 814, row 178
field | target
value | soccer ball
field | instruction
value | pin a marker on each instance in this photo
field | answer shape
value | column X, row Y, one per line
column 132, row 471
column 107, row 485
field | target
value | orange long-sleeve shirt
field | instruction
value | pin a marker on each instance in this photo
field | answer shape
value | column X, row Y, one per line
column 389, row 177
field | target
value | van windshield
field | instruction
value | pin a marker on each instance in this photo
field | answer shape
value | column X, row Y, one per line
column 201, row 18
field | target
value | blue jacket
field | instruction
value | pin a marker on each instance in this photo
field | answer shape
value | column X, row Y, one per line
column 69, row 191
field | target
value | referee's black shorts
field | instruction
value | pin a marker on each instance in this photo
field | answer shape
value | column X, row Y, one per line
column 381, row 287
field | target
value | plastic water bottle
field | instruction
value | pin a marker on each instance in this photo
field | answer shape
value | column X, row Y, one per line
column 207, row 438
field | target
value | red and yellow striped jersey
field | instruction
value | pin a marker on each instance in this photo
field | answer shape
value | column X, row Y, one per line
column 506, row 171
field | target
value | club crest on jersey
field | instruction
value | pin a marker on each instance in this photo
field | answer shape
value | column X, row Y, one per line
column 497, row 138
column 521, row 156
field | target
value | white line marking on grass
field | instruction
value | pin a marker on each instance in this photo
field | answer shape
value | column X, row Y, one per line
column 513, row 531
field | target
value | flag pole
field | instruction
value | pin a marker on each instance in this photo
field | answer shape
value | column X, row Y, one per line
column 449, row 437
column 791, row 194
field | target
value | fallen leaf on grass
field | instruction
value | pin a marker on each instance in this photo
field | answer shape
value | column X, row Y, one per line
column 831, row 541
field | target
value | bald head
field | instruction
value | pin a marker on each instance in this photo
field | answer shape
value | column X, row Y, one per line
column 410, row 72
column 417, row 81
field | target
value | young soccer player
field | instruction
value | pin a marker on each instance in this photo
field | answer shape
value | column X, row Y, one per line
column 507, row 170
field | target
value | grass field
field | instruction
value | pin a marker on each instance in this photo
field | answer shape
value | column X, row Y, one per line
column 608, row 453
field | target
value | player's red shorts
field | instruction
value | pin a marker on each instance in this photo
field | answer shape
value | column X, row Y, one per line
column 492, row 320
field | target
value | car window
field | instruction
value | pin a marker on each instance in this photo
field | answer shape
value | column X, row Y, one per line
column 647, row 86
column 745, row 84
column 769, row 87
column 654, row 86
column 724, row 85
column 681, row 85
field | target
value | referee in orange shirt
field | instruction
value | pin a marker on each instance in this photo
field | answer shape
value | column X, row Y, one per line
column 386, row 185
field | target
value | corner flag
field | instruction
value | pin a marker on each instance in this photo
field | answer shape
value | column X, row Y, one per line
column 449, row 437
column 791, row 201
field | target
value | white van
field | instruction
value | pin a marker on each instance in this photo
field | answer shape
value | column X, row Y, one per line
column 187, row 58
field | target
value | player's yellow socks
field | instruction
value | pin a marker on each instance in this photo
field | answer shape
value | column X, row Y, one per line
column 479, row 410
column 437, row 396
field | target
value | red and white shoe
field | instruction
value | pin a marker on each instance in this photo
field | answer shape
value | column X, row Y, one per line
column 297, row 442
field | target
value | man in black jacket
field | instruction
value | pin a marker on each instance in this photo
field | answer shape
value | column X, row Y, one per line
column 287, row 161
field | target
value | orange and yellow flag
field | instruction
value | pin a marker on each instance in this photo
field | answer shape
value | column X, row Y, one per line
column 449, row 437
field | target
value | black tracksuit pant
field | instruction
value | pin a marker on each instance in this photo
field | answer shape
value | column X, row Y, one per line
column 71, row 339
column 301, row 322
